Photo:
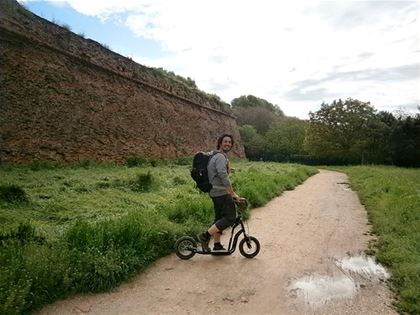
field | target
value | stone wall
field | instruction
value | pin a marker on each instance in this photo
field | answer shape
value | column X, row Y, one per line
column 69, row 99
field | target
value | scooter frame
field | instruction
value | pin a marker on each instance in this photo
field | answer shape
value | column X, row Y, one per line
column 233, row 240
column 249, row 241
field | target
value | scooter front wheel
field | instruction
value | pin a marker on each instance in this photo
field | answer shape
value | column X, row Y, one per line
column 185, row 247
column 249, row 247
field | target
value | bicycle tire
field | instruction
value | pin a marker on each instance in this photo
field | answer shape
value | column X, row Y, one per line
column 185, row 247
column 249, row 247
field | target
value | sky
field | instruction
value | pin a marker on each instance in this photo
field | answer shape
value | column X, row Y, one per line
column 296, row 54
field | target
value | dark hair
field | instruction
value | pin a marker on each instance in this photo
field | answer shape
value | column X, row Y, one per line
column 220, row 140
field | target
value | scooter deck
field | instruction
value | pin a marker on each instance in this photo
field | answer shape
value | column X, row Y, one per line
column 221, row 253
column 217, row 253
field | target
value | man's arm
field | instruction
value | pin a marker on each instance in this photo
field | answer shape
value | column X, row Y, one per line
column 232, row 193
column 222, row 173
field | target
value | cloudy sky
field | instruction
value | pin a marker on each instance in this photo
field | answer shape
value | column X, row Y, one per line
column 295, row 54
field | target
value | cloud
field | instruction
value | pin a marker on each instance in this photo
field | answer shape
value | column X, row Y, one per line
column 316, row 90
column 302, row 94
column 288, row 52
column 344, row 15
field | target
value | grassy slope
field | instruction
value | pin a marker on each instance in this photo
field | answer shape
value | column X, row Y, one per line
column 392, row 198
column 86, row 229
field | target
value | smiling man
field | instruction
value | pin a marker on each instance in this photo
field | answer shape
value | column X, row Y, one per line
column 221, row 193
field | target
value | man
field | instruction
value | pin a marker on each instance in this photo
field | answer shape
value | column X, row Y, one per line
column 221, row 193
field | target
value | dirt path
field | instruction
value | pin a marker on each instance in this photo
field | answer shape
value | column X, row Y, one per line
column 310, row 263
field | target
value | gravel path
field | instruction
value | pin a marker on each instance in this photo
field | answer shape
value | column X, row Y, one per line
column 311, row 262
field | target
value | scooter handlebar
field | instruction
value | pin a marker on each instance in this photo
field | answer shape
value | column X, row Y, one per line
column 242, row 204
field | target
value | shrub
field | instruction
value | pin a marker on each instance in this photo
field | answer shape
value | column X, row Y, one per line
column 185, row 160
column 43, row 165
column 13, row 194
column 194, row 209
column 24, row 233
column 179, row 180
column 142, row 183
column 133, row 161
column 66, row 26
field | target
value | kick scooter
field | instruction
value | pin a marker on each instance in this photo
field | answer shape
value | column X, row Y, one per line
column 186, row 246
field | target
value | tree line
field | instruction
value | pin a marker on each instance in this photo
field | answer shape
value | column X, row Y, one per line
column 342, row 132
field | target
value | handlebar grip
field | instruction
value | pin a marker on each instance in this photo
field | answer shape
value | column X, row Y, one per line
column 242, row 204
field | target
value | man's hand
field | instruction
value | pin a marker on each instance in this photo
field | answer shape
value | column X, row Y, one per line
column 236, row 198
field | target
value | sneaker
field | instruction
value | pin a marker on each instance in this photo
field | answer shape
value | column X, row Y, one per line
column 204, row 241
column 218, row 248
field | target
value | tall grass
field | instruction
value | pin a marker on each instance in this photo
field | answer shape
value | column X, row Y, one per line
column 392, row 198
column 86, row 228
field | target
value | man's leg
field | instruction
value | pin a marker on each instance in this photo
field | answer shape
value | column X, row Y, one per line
column 225, row 214
column 226, row 217
column 216, row 237
column 218, row 214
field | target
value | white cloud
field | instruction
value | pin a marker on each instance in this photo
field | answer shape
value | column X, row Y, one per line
column 266, row 48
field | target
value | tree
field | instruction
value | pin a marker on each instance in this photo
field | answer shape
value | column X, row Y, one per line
column 247, row 133
column 341, row 130
column 285, row 138
column 257, row 112
column 258, row 117
column 253, row 142
column 253, row 101
column 405, row 141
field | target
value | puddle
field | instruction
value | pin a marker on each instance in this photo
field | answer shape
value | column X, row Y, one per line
column 364, row 266
column 319, row 290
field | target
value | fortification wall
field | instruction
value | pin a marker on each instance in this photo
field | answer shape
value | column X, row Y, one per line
column 66, row 98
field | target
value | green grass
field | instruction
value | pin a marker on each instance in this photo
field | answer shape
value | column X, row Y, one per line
column 391, row 196
column 87, row 228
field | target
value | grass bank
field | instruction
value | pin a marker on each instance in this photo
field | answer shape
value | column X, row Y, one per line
column 391, row 196
column 86, row 228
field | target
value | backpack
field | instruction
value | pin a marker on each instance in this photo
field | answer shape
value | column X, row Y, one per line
column 199, row 171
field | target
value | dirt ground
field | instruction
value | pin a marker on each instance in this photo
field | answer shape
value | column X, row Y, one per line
column 311, row 262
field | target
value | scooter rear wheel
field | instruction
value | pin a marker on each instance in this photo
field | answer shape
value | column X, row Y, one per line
column 185, row 247
column 249, row 247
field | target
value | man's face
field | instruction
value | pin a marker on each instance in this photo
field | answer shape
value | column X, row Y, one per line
column 226, row 144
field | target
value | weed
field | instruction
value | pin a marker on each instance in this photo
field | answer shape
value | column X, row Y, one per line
column 13, row 194
column 177, row 180
column 134, row 161
column 142, row 183
column 66, row 26
column 186, row 160
column 25, row 232
column 43, row 165
column 103, row 185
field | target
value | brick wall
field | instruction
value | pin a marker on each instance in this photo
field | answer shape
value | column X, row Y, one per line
column 66, row 98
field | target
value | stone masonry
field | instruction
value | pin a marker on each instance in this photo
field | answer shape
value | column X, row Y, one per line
column 69, row 99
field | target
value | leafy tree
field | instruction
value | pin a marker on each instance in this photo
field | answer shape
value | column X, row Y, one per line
column 247, row 133
column 341, row 130
column 405, row 141
column 251, row 110
column 253, row 101
column 253, row 142
column 255, row 149
column 258, row 117
column 401, row 138
column 285, row 138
